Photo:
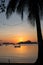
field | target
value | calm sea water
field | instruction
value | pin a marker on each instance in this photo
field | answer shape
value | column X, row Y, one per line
column 25, row 54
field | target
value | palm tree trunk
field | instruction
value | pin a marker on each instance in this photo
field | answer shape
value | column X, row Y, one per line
column 39, row 37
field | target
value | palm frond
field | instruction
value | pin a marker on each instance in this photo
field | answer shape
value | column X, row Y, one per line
column 11, row 7
column 33, row 6
column 21, row 7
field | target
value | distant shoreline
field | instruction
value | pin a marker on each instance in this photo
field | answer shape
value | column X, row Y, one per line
column 26, row 42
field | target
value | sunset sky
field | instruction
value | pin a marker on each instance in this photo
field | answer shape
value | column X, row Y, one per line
column 15, row 30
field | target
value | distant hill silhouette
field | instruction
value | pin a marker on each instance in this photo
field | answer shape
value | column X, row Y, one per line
column 27, row 42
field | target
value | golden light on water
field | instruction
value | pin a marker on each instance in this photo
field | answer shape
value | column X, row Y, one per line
column 26, row 53
column 29, row 51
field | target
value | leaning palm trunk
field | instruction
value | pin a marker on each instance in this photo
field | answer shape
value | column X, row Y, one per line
column 39, row 36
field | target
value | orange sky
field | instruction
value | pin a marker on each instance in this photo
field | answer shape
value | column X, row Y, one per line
column 18, row 38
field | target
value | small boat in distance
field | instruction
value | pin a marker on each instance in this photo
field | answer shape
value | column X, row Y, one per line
column 16, row 46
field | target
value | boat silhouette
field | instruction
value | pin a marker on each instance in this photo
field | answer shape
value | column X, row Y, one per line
column 16, row 46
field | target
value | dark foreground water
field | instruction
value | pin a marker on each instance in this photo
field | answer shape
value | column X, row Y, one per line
column 25, row 54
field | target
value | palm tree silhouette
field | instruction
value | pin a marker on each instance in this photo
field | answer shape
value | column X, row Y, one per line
column 34, row 7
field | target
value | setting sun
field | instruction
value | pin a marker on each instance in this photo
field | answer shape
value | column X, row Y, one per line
column 20, row 39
